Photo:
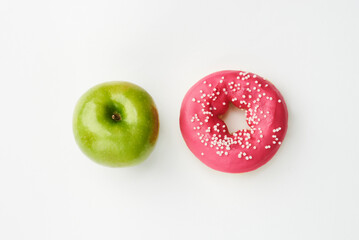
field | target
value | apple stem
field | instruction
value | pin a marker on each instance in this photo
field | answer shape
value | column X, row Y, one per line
column 116, row 117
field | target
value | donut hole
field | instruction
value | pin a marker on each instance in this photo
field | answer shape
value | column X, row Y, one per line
column 235, row 119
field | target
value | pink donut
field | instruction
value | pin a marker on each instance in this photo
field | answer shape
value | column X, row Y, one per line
column 207, row 136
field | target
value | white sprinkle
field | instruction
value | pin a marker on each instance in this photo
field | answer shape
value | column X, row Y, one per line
column 193, row 99
column 279, row 100
column 202, row 154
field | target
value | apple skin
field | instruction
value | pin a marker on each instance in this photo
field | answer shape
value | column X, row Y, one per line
column 116, row 124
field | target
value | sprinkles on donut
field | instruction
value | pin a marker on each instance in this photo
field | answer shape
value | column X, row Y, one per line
column 207, row 136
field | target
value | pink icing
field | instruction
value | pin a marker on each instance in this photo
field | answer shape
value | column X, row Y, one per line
column 207, row 136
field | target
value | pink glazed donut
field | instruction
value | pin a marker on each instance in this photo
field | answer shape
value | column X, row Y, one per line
column 207, row 136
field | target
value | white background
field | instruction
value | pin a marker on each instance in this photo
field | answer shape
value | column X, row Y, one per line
column 52, row 52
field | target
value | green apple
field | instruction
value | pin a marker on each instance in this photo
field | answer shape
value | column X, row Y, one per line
column 116, row 124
